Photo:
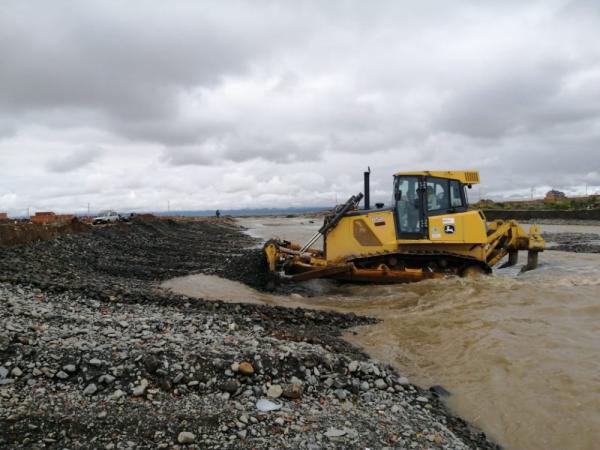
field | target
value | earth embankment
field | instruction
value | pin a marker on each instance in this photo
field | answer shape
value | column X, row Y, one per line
column 550, row 215
column 19, row 233
column 94, row 355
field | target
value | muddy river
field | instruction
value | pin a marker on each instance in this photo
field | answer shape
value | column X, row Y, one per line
column 520, row 353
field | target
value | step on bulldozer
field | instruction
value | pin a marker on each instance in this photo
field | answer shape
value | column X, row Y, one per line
column 429, row 231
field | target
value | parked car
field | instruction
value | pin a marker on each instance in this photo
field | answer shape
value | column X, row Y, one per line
column 106, row 217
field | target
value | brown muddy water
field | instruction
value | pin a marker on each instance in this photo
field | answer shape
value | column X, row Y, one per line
column 520, row 353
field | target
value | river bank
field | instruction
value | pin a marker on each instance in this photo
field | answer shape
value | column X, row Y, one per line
column 93, row 354
column 490, row 340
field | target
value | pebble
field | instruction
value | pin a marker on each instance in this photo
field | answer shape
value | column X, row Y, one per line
column 90, row 389
column 62, row 375
column 141, row 388
column 274, row 391
column 245, row 368
column 380, row 383
column 422, row 399
column 70, row 368
column 334, row 432
column 341, row 394
column 230, row 386
column 106, row 379
column 178, row 378
column 293, row 390
column 402, row 381
column 185, row 437
column 16, row 372
column 265, row 405
column 353, row 366
column 151, row 363
column 95, row 362
column 117, row 394
column 440, row 391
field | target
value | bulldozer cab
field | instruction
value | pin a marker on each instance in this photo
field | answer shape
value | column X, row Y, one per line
column 420, row 196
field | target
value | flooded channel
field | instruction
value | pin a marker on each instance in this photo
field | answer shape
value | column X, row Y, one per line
column 519, row 353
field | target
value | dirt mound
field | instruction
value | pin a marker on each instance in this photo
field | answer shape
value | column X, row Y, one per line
column 119, row 260
column 143, row 218
column 12, row 234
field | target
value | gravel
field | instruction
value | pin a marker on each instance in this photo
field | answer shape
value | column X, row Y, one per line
column 94, row 355
column 573, row 242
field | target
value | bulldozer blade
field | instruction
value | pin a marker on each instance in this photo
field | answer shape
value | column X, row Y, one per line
column 322, row 272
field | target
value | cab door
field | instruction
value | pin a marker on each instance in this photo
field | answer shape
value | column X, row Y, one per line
column 410, row 214
column 446, row 205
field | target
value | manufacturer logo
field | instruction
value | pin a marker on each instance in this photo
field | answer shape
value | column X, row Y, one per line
column 449, row 229
column 378, row 221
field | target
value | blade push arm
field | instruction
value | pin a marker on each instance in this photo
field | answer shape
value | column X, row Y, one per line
column 508, row 237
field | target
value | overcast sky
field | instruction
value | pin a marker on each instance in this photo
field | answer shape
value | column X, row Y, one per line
column 270, row 103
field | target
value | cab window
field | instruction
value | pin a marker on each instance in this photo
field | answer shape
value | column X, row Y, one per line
column 456, row 199
column 444, row 196
column 438, row 198
column 408, row 205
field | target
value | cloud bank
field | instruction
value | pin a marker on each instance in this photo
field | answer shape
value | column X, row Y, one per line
column 237, row 104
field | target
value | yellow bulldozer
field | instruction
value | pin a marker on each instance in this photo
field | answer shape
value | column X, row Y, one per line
column 429, row 231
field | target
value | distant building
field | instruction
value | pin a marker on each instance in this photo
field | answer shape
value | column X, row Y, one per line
column 554, row 195
column 50, row 217
column 3, row 216
column 44, row 217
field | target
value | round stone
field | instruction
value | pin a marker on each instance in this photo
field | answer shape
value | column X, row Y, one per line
column 246, row 368
column 185, row 437
column 274, row 391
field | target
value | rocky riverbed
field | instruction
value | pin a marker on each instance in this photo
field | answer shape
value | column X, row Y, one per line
column 94, row 355
column 573, row 242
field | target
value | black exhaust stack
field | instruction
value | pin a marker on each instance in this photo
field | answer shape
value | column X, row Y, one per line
column 367, row 189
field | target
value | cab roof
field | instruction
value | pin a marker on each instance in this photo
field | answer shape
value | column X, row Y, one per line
column 464, row 176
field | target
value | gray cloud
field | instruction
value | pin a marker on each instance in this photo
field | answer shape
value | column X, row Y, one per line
column 74, row 160
column 180, row 97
